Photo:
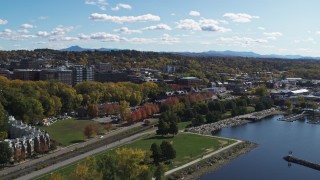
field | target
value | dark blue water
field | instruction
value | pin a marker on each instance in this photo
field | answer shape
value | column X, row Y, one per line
column 274, row 139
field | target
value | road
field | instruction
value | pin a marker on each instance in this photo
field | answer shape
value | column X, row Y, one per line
column 62, row 151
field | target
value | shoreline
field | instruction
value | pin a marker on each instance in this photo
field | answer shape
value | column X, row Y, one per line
column 214, row 162
column 234, row 121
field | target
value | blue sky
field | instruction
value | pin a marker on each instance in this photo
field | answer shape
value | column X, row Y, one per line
column 262, row 26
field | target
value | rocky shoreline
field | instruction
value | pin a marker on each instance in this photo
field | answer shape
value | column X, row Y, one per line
column 234, row 121
column 213, row 163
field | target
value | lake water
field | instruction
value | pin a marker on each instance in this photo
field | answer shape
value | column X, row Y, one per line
column 275, row 139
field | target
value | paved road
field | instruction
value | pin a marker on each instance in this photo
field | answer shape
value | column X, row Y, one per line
column 84, row 155
column 63, row 151
column 200, row 159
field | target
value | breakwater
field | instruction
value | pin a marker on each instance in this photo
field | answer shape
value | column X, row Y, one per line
column 234, row 121
column 302, row 162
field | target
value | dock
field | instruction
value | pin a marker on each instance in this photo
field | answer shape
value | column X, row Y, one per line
column 292, row 117
column 302, row 162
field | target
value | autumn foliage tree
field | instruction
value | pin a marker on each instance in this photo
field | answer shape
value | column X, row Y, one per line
column 90, row 130
column 130, row 163
column 93, row 110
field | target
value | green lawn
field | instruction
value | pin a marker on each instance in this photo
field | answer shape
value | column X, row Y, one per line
column 68, row 131
column 183, row 125
column 188, row 146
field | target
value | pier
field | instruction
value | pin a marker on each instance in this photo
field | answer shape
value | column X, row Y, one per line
column 293, row 117
column 302, row 162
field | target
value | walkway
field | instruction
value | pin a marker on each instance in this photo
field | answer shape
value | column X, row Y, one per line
column 204, row 157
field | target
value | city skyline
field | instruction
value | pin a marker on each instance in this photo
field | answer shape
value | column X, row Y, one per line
column 264, row 27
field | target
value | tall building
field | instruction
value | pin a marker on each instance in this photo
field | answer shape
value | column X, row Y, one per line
column 81, row 73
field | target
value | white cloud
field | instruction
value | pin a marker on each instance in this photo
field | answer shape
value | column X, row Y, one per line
column 167, row 39
column 158, row 27
column 126, row 30
column 201, row 25
column 43, row 34
column 124, row 19
column 121, row 6
column 23, row 31
column 261, row 28
column 194, row 13
column 102, row 36
column 15, row 35
column 318, row 32
column 188, row 24
column 240, row 41
column 273, row 35
column 173, row 14
column 27, row 26
column 101, row 4
column 3, row 21
column 240, row 17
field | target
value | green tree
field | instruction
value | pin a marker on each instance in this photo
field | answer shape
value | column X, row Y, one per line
column 3, row 123
column 107, row 166
column 156, row 153
column 163, row 127
column 167, row 150
column 173, row 129
column 5, row 153
column 159, row 172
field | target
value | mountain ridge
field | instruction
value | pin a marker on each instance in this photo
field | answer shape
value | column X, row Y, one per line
column 211, row 53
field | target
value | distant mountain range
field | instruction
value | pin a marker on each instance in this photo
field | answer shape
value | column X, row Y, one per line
column 79, row 49
column 243, row 54
column 207, row 53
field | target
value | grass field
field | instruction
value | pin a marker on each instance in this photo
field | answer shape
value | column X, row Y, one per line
column 68, row 131
column 188, row 147
column 183, row 125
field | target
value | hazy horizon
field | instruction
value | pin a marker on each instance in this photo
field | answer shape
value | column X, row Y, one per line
column 264, row 27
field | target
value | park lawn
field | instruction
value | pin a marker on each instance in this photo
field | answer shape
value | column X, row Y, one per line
column 183, row 125
column 188, row 146
column 68, row 131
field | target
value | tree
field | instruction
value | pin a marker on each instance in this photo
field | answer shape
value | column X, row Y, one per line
column 86, row 170
column 159, row 172
column 163, row 127
column 93, row 110
column 261, row 91
column 173, row 129
column 57, row 176
column 107, row 166
column 156, row 153
column 124, row 110
column 89, row 130
column 3, row 123
column 167, row 150
column 212, row 117
column 198, row 120
column 130, row 163
column 5, row 153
